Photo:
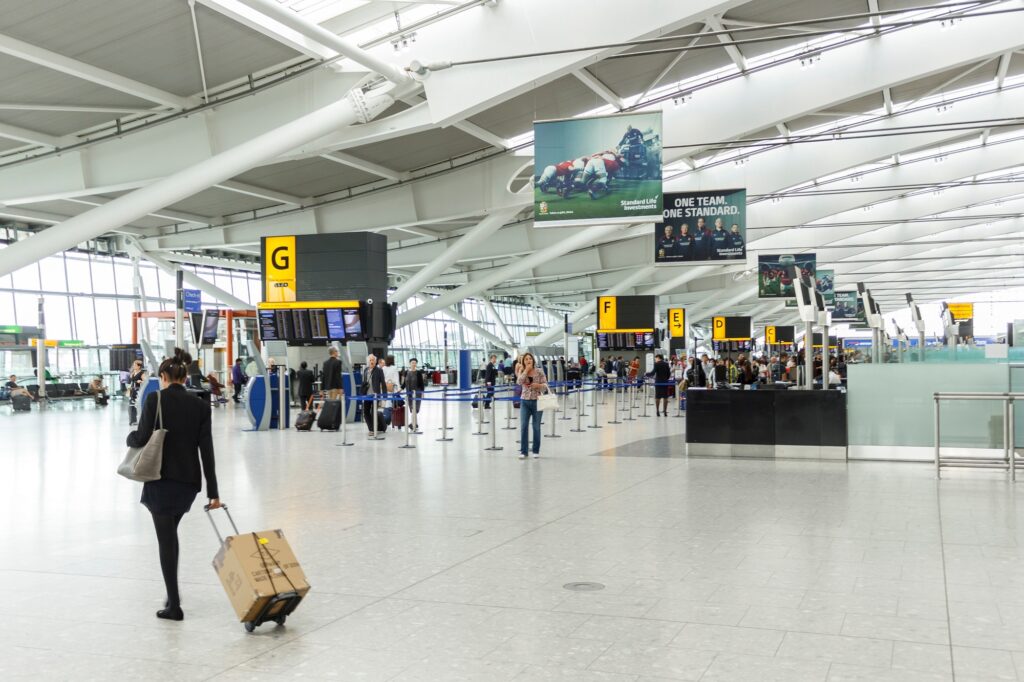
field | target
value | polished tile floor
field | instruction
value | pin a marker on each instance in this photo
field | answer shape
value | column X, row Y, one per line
column 448, row 562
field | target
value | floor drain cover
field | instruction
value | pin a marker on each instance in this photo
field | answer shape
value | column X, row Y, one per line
column 583, row 587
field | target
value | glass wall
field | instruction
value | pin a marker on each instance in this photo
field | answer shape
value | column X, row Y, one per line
column 90, row 297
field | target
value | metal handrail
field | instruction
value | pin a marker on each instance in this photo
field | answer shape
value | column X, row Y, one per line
column 1009, row 458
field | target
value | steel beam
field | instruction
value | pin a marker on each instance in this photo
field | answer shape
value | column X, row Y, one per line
column 51, row 60
column 185, row 183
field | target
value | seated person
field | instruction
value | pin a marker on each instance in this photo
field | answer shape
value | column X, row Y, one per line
column 98, row 391
column 14, row 389
column 216, row 388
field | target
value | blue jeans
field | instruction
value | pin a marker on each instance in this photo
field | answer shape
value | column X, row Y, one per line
column 527, row 409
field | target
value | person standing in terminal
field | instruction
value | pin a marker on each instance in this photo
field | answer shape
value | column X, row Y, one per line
column 662, row 376
column 490, row 379
column 332, row 376
column 534, row 383
column 373, row 384
column 304, row 381
column 414, row 385
column 238, row 380
column 187, row 457
column 708, row 365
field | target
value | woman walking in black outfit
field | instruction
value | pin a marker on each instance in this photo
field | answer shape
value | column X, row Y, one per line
column 187, row 442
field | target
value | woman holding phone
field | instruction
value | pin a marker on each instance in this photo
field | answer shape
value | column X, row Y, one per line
column 533, row 383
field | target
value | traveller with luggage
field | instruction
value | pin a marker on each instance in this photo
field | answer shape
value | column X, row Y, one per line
column 238, row 380
column 332, row 376
column 183, row 422
column 304, row 382
column 373, row 385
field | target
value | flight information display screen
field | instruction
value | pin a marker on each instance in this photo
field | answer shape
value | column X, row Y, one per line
column 310, row 326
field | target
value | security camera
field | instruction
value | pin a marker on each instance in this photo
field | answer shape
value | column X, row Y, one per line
column 369, row 301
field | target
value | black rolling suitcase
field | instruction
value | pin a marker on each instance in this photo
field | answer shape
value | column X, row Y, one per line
column 330, row 416
column 21, row 403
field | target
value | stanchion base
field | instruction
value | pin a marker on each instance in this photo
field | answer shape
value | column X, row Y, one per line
column 577, row 430
column 552, row 435
column 614, row 422
column 597, row 427
column 343, row 445
column 441, row 440
column 406, row 447
column 479, row 433
column 629, row 419
column 445, row 428
column 498, row 447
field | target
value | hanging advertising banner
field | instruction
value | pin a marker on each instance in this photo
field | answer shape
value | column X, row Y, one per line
column 698, row 227
column 846, row 307
column 777, row 275
column 590, row 171
column 826, row 281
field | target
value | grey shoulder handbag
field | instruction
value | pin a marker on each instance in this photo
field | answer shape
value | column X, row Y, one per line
column 143, row 464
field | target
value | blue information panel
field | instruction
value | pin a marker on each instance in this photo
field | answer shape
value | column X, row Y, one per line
column 193, row 300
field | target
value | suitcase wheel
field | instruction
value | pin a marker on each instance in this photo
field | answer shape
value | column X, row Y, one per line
column 249, row 626
column 280, row 620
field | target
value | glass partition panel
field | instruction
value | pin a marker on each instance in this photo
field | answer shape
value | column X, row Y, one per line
column 890, row 409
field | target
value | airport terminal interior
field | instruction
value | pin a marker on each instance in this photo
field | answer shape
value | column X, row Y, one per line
column 512, row 340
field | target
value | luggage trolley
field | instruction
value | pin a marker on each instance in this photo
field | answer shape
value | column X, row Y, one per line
column 278, row 607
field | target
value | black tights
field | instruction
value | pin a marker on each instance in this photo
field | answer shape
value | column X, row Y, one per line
column 167, row 539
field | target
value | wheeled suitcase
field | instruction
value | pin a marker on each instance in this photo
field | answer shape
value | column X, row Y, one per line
column 260, row 574
column 305, row 420
column 21, row 403
column 330, row 416
column 398, row 416
column 382, row 423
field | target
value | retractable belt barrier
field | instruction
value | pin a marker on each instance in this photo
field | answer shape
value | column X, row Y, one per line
column 629, row 389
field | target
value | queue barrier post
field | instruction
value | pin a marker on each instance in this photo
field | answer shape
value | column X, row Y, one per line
column 373, row 422
column 629, row 399
column 593, row 407
column 554, row 419
column 579, row 412
column 565, row 401
column 643, row 388
column 444, row 415
column 479, row 418
column 344, row 418
column 409, row 427
column 615, row 407
column 508, row 414
column 494, row 434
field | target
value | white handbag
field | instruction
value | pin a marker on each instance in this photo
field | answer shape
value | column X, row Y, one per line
column 547, row 401
column 143, row 464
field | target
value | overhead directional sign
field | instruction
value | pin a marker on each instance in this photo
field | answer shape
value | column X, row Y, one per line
column 625, row 314
column 730, row 329
column 677, row 323
column 961, row 312
column 193, row 300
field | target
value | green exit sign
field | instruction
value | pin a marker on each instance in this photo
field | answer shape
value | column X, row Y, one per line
column 70, row 344
column 10, row 329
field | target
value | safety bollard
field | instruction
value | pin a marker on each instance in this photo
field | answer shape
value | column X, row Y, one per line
column 344, row 419
column 480, row 419
column 494, row 433
column 444, row 415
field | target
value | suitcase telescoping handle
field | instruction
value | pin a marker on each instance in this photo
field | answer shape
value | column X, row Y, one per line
column 216, row 530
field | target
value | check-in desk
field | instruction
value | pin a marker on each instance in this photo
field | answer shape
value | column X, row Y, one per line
column 766, row 423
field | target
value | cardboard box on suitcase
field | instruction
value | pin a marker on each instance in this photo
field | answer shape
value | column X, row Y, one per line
column 254, row 568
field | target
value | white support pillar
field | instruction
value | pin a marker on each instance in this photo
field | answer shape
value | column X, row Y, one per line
column 473, row 326
column 552, row 333
column 216, row 169
column 484, row 229
column 498, row 321
column 583, row 238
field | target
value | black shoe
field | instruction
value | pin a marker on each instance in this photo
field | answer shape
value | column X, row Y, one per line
column 171, row 613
